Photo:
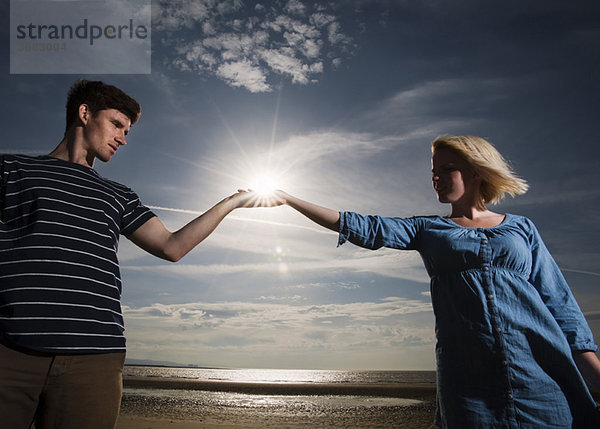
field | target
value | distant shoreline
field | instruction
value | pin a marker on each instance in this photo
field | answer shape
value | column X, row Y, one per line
column 174, row 365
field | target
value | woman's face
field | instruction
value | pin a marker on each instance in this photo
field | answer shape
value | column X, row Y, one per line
column 454, row 180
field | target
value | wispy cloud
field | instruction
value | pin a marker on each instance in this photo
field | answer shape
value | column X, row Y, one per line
column 32, row 152
column 385, row 262
column 252, row 47
column 247, row 219
column 557, row 196
column 447, row 106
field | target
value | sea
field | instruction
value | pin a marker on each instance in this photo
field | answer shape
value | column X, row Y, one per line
column 282, row 375
column 281, row 397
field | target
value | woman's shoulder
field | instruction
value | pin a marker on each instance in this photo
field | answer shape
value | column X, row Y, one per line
column 517, row 219
column 523, row 224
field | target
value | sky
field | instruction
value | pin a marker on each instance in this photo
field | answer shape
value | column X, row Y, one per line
column 339, row 101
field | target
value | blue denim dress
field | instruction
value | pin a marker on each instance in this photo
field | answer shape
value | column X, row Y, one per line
column 506, row 321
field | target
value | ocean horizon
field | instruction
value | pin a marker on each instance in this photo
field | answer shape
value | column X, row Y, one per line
column 261, row 375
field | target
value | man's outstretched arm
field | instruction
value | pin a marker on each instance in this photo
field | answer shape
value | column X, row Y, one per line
column 156, row 239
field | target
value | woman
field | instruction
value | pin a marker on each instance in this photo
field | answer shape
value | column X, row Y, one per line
column 512, row 342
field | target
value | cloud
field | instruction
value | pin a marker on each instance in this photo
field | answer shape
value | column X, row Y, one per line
column 271, row 333
column 295, row 7
column 32, row 152
column 304, row 163
column 589, row 273
column 592, row 315
column 247, row 219
column 250, row 48
column 240, row 313
column 558, row 196
column 384, row 262
column 439, row 106
column 243, row 74
column 301, row 159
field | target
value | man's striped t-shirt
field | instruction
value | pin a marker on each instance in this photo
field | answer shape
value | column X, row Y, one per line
column 60, row 285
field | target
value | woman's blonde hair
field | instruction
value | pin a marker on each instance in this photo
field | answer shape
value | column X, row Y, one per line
column 498, row 178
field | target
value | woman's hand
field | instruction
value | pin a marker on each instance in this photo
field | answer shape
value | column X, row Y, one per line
column 324, row 216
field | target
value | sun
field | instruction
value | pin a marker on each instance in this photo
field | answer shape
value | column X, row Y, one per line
column 264, row 173
column 265, row 184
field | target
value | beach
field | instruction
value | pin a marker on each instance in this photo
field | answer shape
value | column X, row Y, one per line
column 179, row 403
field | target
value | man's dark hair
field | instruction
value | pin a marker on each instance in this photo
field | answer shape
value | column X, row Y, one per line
column 99, row 96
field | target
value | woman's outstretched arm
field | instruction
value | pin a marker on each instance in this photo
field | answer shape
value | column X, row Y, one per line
column 322, row 215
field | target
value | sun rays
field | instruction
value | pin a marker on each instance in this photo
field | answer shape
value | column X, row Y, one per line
column 265, row 184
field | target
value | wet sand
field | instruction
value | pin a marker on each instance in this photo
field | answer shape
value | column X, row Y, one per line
column 155, row 412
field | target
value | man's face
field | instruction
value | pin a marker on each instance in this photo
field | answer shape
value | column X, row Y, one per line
column 104, row 132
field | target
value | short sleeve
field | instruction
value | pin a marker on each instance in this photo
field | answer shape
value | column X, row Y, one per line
column 373, row 232
column 547, row 278
column 2, row 178
column 2, row 184
column 136, row 214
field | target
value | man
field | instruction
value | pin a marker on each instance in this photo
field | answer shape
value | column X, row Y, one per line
column 62, row 347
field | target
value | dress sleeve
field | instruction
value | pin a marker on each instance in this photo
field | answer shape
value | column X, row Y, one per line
column 547, row 278
column 373, row 232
